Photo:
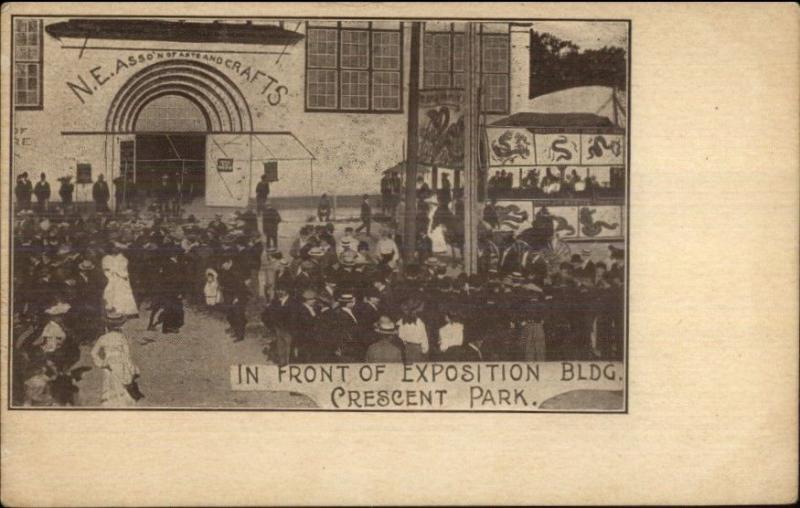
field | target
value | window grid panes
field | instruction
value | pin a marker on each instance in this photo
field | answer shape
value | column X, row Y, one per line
column 355, row 49
column 322, row 48
column 386, row 51
column 386, row 90
column 355, row 90
column 441, row 69
column 321, row 89
column 353, row 69
column 27, row 63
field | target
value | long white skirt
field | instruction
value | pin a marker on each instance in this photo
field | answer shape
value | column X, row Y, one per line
column 118, row 295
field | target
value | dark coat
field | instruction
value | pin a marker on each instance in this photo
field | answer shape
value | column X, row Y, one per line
column 100, row 192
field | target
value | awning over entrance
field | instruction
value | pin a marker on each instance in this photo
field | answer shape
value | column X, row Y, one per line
column 235, row 163
column 282, row 146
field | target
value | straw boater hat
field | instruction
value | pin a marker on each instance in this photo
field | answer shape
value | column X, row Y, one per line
column 86, row 265
column 316, row 252
column 349, row 258
column 114, row 318
column 385, row 326
column 346, row 298
column 432, row 261
column 58, row 309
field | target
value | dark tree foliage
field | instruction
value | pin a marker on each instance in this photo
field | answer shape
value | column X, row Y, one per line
column 558, row 64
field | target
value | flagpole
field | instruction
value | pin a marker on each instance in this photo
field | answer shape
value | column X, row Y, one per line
column 410, row 219
column 471, row 139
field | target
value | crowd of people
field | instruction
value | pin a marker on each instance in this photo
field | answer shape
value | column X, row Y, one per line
column 554, row 183
column 334, row 295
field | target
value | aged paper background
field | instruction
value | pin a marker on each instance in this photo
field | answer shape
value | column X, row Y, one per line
column 713, row 321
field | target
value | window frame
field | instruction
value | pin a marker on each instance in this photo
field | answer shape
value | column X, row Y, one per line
column 481, row 73
column 40, row 62
column 370, row 70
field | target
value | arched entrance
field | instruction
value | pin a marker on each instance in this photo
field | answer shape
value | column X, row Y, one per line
column 166, row 113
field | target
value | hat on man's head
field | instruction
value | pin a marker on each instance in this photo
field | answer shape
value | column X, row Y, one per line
column 385, row 326
column 349, row 258
column 114, row 318
column 576, row 258
column 59, row 309
column 346, row 297
column 316, row 252
column 432, row 261
column 85, row 265
column 308, row 294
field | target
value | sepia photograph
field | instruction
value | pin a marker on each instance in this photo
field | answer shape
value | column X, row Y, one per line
column 365, row 254
column 319, row 213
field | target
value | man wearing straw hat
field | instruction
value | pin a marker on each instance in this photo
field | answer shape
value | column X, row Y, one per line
column 388, row 347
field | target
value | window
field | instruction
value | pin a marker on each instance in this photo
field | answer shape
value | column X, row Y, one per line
column 27, row 63
column 354, row 69
column 443, row 63
column 84, row 173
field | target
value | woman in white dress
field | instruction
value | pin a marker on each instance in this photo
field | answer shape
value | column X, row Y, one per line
column 112, row 353
column 118, row 294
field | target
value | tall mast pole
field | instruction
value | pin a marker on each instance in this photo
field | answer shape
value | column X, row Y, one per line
column 410, row 234
column 471, row 145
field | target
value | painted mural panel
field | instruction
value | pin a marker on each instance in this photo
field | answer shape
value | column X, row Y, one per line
column 511, row 147
column 557, row 149
column 603, row 149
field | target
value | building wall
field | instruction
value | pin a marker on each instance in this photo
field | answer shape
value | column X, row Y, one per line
column 351, row 149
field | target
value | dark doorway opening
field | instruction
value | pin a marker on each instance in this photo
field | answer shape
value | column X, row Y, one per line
column 181, row 157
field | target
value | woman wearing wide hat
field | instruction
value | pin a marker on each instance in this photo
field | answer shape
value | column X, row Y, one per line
column 112, row 354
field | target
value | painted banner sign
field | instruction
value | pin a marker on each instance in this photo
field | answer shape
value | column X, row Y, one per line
column 441, row 128
column 518, row 146
column 569, row 222
column 479, row 386
column 602, row 149
column 510, row 146
column 557, row 149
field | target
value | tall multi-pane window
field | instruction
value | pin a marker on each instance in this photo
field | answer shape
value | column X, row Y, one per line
column 27, row 63
column 443, row 63
column 354, row 69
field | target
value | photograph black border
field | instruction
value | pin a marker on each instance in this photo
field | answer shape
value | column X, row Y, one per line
column 627, row 241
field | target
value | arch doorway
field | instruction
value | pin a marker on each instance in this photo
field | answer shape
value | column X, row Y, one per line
column 166, row 113
column 171, row 142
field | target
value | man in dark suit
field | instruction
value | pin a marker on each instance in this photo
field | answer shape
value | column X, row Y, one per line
column 306, row 328
column 270, row 218
column 368, row 310
column 236, row 295
column 65, row 193
column 23, row 191
column 366, row 215
column 343, row 341
column 42, row 193
column 262, row 193
column 100, row 195
column 277, row 318
column 388, row 348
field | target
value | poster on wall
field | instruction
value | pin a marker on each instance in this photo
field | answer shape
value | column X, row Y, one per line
column 557, row 149
column 441, row 128
column 510, row 146
column 600, row 221
column 565, row 219
column 602, row 149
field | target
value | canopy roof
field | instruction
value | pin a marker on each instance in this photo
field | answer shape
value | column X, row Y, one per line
column 558, row 121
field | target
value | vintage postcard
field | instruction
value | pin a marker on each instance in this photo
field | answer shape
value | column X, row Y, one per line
column 330, row 213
